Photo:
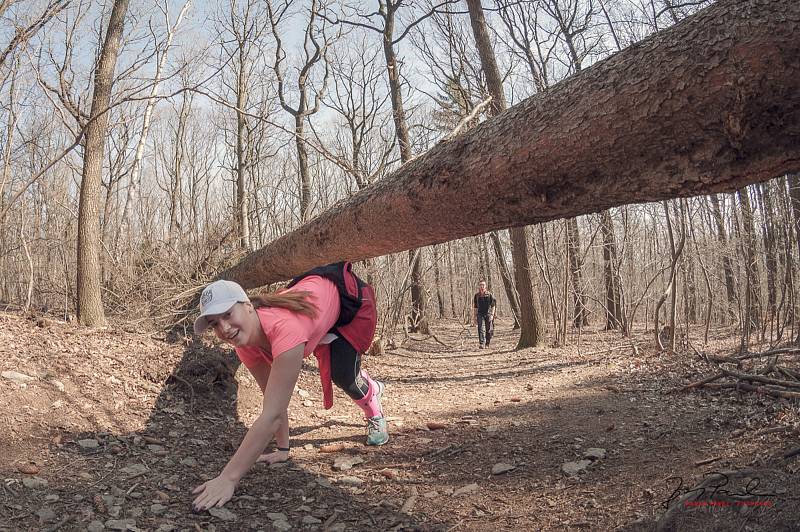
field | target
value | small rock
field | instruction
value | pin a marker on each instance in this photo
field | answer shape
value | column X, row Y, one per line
column 302, row 393
column 28, row 468
column 166, row 528
column 389, row 473
column 46, row 515
column 223, row 514
column 308, row 402
column 594, row 453
column 277, row 516
column 466, row 490
column 308, row 447
column 344, row 463
column 34, row 483
column 500, row 468
column 433, row 425
column 52, row 497
column 156, row 448
column 157, row 509
column 17, row 377
column 89, row 444
column 135, row 470
column 191, row 462
column 58, row 385
column 573, row 468
column 282, row 526
column 491, row 429
column 324, row 482
column 95, row 526
column 350, row 481
column 120, row 524
column 311, row 520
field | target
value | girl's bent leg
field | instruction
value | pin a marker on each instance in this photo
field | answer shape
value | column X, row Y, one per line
column 366, row 392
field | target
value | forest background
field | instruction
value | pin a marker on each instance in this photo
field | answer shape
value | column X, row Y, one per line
column 230, row 124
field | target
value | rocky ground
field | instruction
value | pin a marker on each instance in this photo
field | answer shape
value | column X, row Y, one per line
column 111, row 429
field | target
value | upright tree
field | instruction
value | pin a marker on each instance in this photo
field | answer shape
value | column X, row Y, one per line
column 531, row 322
column 89, row 278
column 315, row 50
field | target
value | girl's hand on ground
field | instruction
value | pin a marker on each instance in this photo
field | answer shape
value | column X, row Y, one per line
column 274, row 457
column 214, row 492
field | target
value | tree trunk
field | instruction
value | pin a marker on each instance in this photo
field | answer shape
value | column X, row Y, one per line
column 752, row 312
column 401, row 130
column 505, row 276
column 90, row 300
column 580, row 315
column 136, row 167
column 302, row 165
column 531, row 322
column 438, row 279
column 793, row 180
column 635, row 127
column 241, row 214
column 794, row 193
column 727, row 267
column 615, row 312
column 532, row 329
column 770, row 238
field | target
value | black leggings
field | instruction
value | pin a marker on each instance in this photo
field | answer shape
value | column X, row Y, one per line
column 346, row 369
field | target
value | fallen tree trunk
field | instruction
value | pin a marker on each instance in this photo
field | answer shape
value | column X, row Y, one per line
column 709, row 105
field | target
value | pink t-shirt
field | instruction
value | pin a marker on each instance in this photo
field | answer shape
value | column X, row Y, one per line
column 286, row 329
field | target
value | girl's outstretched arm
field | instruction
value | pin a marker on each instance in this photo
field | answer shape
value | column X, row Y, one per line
column 261, row 374
column 283, row 376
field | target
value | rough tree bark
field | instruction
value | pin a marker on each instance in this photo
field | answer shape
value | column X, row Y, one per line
column 90, row 301
column 709, row 105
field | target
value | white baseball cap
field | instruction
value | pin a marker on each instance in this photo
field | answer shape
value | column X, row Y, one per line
column 218, row 298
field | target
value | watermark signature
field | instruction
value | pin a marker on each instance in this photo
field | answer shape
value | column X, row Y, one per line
column 718, row 490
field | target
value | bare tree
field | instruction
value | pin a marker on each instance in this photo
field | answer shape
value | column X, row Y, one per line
column 90, row 301
column 162, row 52
column 25, row 29
column 531, row 324
column 315, row 50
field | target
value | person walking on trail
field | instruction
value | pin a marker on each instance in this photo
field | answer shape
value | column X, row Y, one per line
column 272, row 334
column 484, row 305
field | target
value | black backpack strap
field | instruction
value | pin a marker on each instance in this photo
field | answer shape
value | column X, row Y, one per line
column 336, row 272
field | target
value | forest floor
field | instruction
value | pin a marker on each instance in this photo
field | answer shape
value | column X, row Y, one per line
column 114, row 427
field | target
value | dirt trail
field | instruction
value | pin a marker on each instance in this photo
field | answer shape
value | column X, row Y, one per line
column 115, row 428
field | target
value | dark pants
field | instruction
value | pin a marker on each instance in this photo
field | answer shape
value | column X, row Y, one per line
column 346, row 369
column 485, row 328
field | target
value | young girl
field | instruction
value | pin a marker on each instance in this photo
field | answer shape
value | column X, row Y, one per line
column 271, row 335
